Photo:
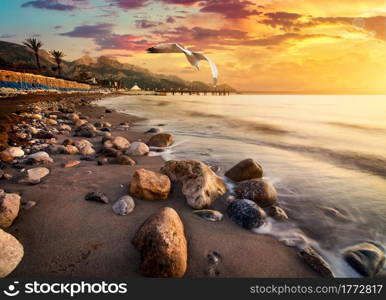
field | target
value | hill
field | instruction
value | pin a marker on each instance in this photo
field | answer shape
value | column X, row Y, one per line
column 104, row 69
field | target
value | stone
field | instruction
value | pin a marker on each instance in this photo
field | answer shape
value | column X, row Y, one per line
column 52, row 122
column 11, row 153
column 82, row 144
column 246, row 213
column 87, row 151
column 209, row 215
column 148, row 185
column 71, row 164
column 102, row 161
column 125, row 160
column 44, row 135
column 55, row 149
column 258, row 190
column 97, row 197
column 28, row 205
column 40, row 157
column 124, row 206
column 161, row 140
column 200, row 185
column 137, row 149
column 73, row 117
column 316, row 262
column 366, row 258
column 80, row 122
column 9, row 209
column 35, row 175
column 86, row 130
column 120, row 143
column 11, row 253
column 277, row 213
column 153, row 130
column 65, row 127
column 37, row 116
column 70, row 149
column 245, row 170
column 108, row 144
column 162, row 243
column 111, row 152
column 67, row 142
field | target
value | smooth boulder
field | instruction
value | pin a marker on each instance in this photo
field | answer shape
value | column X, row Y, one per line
column 35, row 175
column 40, row 157
column 162, row 244
column 11, row 253
column 124, row 206
column 200, row 185
column 246, row 213
column 120, row 143
column 9, row 208
column 138, row 149
column 161, row 140
column 257, row 190
column 148, row 185
column 316, row 262
column 11, row 153
column 245, row 170
column 366, row 258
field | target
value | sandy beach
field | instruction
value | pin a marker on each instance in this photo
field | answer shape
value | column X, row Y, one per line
column 65, row 236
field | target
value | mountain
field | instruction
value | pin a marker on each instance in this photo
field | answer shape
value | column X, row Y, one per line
column 104, row 69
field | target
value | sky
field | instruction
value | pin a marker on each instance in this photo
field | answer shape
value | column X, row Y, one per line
column 266, row 45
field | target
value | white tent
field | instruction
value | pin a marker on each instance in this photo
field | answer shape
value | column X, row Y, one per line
column 135, row 88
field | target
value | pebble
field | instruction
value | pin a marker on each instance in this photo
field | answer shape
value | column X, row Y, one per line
column 71, row 164
column 97, row 197
column 124, row 206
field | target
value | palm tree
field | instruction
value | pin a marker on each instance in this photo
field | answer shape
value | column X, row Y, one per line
column 57, row 55
column 35, row 46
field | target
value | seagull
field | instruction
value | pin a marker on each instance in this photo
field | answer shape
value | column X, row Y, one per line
column 193, row 57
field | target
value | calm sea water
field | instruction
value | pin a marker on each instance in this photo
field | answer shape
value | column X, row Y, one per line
column 326, row 156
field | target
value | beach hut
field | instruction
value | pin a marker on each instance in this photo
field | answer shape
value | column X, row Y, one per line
column 136, row 88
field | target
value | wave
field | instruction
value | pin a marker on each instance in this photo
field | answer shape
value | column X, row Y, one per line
column 357, row 126
column 245, row 124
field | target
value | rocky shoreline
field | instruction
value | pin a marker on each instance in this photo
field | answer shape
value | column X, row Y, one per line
column 62, row 154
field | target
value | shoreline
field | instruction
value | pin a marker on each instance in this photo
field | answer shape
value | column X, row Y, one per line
column 65, row 236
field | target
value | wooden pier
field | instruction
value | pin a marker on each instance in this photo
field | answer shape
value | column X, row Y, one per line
column 198, row 93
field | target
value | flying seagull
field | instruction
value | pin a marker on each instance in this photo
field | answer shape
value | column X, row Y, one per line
column 193, row 57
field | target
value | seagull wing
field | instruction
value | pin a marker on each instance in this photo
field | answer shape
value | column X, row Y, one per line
column 199, row 57
column 169, row 48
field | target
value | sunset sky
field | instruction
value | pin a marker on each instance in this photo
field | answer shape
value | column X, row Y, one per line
column 266, row 45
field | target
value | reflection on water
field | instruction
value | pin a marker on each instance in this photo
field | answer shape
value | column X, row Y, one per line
column 326, row 156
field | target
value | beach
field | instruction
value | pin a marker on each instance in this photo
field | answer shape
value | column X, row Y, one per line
column 65, row 236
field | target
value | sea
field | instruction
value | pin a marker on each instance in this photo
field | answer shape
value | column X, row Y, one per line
column 324, row 154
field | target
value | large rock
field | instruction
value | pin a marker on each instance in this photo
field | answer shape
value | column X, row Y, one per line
column 70, row 149
column 367, row 259
column 149, row 185
column 257, row 190
column 124, row 206
column 86, row 130
column 161, row 140
column 138, row 148
column 82, row 144
column 11, row 253
column 120, row 143
column 200, row 185
column 35, row 175
column 315, row 261
column 244, row 170
column 40, row 157
column 162, row 244
column 87, row 151
column 9, row 208
column 11, row 153
column 246, row 213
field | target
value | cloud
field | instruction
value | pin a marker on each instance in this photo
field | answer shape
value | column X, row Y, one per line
column 122, row 42
column 281, row 38
column 62, row 5
column 290, row 22
column 144, row 24
column 129, row 4
column 6, row 36
column 201, row 37
column 90, row 31
column 181, row 2
column 231, row 9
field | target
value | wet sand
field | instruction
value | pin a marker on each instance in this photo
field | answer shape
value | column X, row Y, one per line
column 65, row 236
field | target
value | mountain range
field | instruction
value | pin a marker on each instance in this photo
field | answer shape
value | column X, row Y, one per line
column 104, row 69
